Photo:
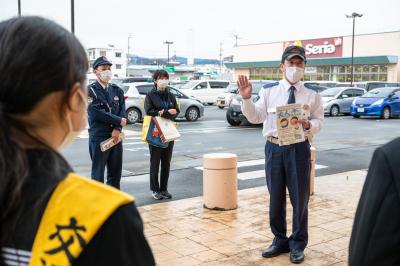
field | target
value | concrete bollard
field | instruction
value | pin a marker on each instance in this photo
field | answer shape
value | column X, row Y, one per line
column 312, row 172
column 220, row 181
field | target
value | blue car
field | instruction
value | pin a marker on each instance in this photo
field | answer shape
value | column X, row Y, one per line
column 381, row 102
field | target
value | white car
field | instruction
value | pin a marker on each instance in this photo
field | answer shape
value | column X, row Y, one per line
column 225, row 99
column 206, row 91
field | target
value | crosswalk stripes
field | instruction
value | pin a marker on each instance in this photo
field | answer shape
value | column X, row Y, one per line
column 255, row 173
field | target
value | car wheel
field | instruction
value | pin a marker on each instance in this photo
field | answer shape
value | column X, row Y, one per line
column 356, row 116
column 192, row 114
column 133, row 115
column 221, row 107
column 231, row 121
column 386, row 114
column 335, row 110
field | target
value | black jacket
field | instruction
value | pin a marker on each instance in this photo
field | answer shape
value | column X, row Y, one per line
column 161, row 100
column 119, row 241
column 106, row 108
column 375, row 239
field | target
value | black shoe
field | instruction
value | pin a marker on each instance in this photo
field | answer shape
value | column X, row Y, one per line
column 273, row 251
column 157, row 195
column 166, row 195
column 297, row 256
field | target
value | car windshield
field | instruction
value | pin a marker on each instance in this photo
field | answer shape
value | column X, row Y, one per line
column 117, row 81
column 331, row 92
column 125, row 88
column 378, row 93
column 189, row 85
column 232, row 88
column 257, row 87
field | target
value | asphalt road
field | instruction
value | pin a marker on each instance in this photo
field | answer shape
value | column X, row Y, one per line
column 344, row 144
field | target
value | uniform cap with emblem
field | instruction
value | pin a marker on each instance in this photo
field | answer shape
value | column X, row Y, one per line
column 292, row 51
column 102, row 60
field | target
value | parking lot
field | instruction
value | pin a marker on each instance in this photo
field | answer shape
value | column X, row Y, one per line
column 345, row 144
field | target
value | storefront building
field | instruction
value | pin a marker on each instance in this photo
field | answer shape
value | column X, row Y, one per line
column 376, row 58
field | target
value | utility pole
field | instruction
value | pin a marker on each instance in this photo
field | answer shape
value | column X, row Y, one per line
column 168, row 43
column 353, row 16
column 220, row 58
column 19, row 8
column 236, row 39
column 130, row 35
column 72, row 17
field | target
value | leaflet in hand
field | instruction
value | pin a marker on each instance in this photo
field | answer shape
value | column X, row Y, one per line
column 289, row 131
column 109, row 143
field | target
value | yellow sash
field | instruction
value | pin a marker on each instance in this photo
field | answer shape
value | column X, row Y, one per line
column 76, row 210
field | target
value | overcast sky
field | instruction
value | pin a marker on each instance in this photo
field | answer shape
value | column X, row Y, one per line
column 198, row 27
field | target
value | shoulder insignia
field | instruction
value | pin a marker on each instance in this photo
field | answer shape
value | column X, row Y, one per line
column 311, row 87
column 270, row 85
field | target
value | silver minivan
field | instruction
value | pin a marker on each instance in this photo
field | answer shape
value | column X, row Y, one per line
column 338, row 100
column 135, row 94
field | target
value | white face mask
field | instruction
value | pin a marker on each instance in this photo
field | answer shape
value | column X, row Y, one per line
column 105, row 75
column 71, row 134
column 294, row 74
column 162, row 83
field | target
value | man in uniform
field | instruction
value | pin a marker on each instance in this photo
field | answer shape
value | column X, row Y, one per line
column 106, row 114
column 287, row 165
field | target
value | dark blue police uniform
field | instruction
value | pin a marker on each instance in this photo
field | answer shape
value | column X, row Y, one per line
column 106, row 108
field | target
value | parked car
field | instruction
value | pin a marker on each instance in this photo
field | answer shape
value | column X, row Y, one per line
column 206, row 91
column 234, row 114
column 322, row 83
column 135, row 93
column 369, row 85
column 382, row 102
column 225, row 99
column 120, row 81
column 177, row 83
column 338, row 100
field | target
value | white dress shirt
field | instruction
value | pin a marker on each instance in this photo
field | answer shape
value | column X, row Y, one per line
column 264, row 110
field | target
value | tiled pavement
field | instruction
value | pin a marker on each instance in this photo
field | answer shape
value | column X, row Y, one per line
column 184, row 233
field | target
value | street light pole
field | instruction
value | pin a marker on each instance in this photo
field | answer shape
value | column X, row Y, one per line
column 353, row 16
column 127, row 55
column 19, row 8
column 168, row 43
column 72, row 16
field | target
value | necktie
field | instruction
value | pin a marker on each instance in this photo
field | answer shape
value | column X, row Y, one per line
column 291, row 99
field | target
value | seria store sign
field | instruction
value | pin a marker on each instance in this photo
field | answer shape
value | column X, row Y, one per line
column 319, row 48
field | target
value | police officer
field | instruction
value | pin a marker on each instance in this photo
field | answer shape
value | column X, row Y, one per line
column 106, row 113
column 286, row 166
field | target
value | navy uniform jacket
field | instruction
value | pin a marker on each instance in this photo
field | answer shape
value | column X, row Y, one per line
column 106, row 108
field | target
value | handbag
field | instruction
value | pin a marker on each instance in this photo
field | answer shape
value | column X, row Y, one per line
column 151, row 134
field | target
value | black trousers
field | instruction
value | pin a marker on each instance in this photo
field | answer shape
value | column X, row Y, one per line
column 164, row 156
column 288, row 166
column 111, row 158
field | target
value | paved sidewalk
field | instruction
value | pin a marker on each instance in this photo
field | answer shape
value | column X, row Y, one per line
column 184, row 233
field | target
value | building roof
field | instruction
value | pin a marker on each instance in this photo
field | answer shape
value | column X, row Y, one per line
column 360, row 60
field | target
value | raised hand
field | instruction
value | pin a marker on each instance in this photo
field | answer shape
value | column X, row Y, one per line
column 245, row 87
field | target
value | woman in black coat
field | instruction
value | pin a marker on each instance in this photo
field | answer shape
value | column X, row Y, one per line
column 161, row 102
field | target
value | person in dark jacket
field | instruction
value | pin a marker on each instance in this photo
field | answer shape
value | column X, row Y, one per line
column 41, row 222
column 161, row 102
column 375, row 239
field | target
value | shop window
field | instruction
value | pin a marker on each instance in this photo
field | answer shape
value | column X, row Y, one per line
column 374, row 69
column 383, row 69
column 382, row 77
column 365, row 69
column 358, row 69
